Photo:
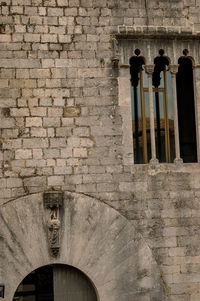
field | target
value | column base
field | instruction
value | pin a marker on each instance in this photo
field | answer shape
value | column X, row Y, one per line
column 154, row 161
column 178, row 160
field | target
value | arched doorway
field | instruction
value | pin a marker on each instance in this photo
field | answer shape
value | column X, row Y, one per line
column 56, row 283
column 95, row 238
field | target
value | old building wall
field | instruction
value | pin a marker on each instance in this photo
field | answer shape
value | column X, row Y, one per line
column 94, row 238
column 61, row 125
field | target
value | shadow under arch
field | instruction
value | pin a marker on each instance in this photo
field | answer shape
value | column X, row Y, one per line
column 59, row 281
column 95, row 239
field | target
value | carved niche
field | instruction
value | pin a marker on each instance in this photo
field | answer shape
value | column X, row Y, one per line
column 53, row 200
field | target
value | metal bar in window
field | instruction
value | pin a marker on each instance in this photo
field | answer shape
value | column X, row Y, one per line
column 155, row 89
column 158, row 89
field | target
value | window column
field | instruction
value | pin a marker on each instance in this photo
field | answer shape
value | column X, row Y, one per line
column 149, row 70
column 173, row 70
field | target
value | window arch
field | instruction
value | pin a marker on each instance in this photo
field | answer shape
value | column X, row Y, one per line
column 140, row 109
column 56, row 282
column 186, row 109
column 163, row 109
column 171, row 136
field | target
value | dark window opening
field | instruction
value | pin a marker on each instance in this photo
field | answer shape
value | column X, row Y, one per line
column 140, row 110
column 186, row 110
column 163, row 110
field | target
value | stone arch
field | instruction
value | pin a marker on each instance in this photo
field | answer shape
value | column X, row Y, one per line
column 95, row 238
column 60, row 284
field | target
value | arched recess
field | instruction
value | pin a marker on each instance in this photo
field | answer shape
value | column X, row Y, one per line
column 95, row 238
column 186, row 108
column 56, row 282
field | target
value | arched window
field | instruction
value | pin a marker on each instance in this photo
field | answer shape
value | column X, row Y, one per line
column 140, row 110
column 186, row 109
column 55, row 282
column 163, row 109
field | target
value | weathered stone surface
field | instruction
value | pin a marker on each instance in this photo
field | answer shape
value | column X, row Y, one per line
column 65, row 124
column 95, row 238
column 72, row 111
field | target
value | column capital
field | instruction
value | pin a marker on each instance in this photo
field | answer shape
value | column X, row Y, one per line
column 197, row 66
column 149, row 69
column 173, row 69
column 114, row 61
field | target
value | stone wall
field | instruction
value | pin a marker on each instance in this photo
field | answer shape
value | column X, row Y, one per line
column 61, row 126
column 94, row 238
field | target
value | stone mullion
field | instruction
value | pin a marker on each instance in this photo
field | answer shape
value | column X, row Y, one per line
column 149, row 70
column 173, row 70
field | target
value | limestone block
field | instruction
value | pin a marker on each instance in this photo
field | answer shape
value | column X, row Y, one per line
column 55, row 12
column 51, row 122
column 58, row 142
column 64, row 38
column 35, row 143
column 66, row 152
column 22, row 63
column 23, row 154
column 51, row 153
column 55, row 112
column 36, row 163
column 63, row 170
column 39, row 73
column 63, row 132
column 62, row 3
column 6, row 123
column 55, row 180
column 72, row 111
column 38, row 111
column 80, row 152
column 71, row 11
column 33, row 121
column 49, row 38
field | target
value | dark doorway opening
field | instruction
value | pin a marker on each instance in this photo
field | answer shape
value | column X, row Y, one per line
column 56, row 283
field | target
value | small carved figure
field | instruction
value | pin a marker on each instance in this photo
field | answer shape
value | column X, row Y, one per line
column 54, row 237
column 53, row 200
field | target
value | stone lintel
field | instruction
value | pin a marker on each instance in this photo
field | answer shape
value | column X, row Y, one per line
column 157, row 36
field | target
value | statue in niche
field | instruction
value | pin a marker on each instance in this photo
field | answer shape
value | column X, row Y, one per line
column 53, row 200
column 54, row 235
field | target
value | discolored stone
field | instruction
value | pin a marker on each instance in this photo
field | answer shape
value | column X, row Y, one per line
column 72, row 111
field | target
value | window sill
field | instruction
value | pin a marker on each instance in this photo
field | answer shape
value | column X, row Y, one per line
column 166, row 167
